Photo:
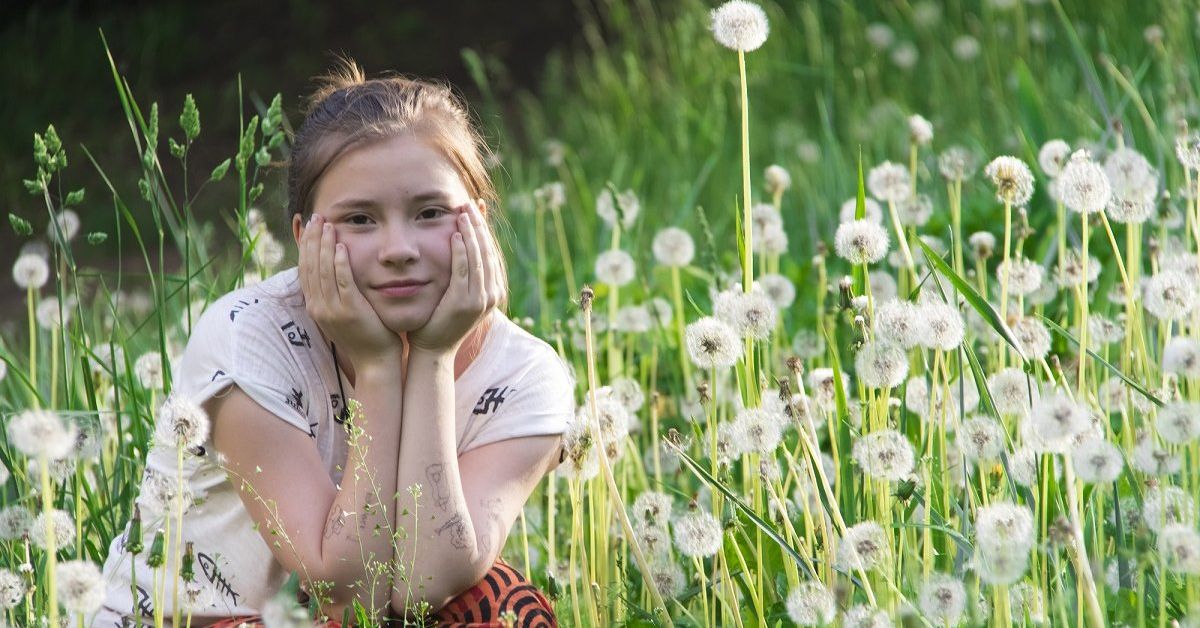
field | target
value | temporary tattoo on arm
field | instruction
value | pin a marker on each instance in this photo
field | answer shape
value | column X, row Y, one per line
column 490, row 533
column 335, row 524
column 458, row 531
column 437, row 479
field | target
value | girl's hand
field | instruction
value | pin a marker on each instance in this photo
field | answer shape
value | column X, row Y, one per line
column 336, row 304
column 475, row 287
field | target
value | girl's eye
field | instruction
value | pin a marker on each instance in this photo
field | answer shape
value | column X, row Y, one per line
column 432, row 212
column 358, row 219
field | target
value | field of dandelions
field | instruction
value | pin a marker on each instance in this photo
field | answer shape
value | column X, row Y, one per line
column 878, row 315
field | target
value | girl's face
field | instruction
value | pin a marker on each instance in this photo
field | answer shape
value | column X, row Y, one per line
column 391, row 202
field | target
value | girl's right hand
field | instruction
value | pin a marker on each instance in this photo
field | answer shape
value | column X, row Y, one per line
column 337, row 305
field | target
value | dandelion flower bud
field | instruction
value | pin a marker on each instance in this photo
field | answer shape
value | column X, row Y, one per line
column 12, row 589
column 1179, row 547
column 945, row 326
column 674, row 247
column 80, row 586
column 1181, row 356
column 64, row 530
column 1012, row 178
column 943, row 599
column 881, row 365
column 1024, row 275
column 778, row 179
column 866, row 546
column 698, row 534
column 920, row 130
column 615, row 268
column 42, row 434
column 30, row 271
column 871, row 210
column 889, row 182
column 885, row 454
column 1083, row 185
column 1170, row 295
column 181, row 423
column 740, row 25
column 1167, row 505
column 1053, row 157
column 811, row 604
column 1004, row 528
column 861, row 242
column 957, row 164
column 981, row 439
column 1097, row 461
column 712, row 343
column 1179, row 422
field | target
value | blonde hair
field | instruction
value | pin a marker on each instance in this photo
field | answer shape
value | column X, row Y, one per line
column 347, row 109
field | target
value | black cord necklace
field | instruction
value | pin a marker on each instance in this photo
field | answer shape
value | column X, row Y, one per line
column 344, row 413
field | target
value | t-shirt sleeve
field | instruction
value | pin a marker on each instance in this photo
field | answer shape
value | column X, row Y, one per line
column 540, row 403
column 247, row 343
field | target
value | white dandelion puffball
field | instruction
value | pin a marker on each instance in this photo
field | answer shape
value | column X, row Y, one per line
column 981, row 438
column 915, row 211
column 920, row 130
column 740, row 25
column 885, row 454
column 181, row 423
column 68, row 223
column 966, row 48
column 50, row 316
column 1012, row 178
column 1169, row 295
column 668, row 577
column 1000, row 567
column 900, row 323
column 1083, row 185
column 1187, row 149
column 42, row 434
column 751, row 314
column 623, row 208
column 160, row 495
column 871, row 210
column 697, row 534
column 651, row 508
column 1179, row 422
column 64, row 530
column 674, row 247
column 1179, row 547
column 777, row 179
column 1053, row 157
column 633, row 319
column 1056, row 419
column 1097, row 461
column 811, row 604
column 982, row 243
column 957, row 163
column 12, row 589
column 1182, row 356
column 615, row 268
column 1032, row 337
column 889, row 182
column 1131, row 175
column 1165, row 505
column 1004, row 528
column 80, row 586
column 15, row 522
column 149, row 370
column 780, row 289
column 905, row 55
column 881, row 365
column 865, row 546
column 552, row 196
column 944, row 324
column 30, row 271
column 943, row 599
column 1151, row 459
column 712, row 343
column 761, row 430
column 880, row 35
column 861, row 242
column 1024, row 276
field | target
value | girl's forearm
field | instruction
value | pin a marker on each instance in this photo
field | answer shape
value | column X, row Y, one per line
column 362, row 517
column 439, row 553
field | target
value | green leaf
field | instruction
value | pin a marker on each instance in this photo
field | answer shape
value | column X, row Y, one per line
column 190, row 118
column 20, row 225
column 981, row 306
column 75, row 197
column 218, row 173
column 1116, row 371
column 96, row 237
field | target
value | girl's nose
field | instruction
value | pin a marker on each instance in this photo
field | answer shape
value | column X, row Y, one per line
column 399, row 246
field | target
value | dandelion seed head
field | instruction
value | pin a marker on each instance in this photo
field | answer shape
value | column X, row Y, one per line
column 30, row 271
column 42, row 434
column 811, row 603
column 740, row 25
column 861, row 242
column 628, row 392
column 149, row 370
column 944, row 324
column 1070, row 272
column 1179, row 547
column 1131, row 175
column 1024, row 275
column 50, row 316
column 1182, row 356
column 899, row 322
column 965, row 48
column 1151, row 459
column 1129, row 210
column 651, row 508
column 712, row 343
column 80, row 586
column 1083, row 185
column 885, row 454
column 982, row 244
column 15, row 522
column 762, row 430
column 64, row 530
column 889, row 181
column 1000, row 567
column 697, row 534
column 774, row 241
column 181, row 423
column 880, row 35
column 865, row 546
column 1165, row 505
column 1010, row 390
column 1178, row 422
column 1169, row 295
column 660, row 309
column 915, row 211
column 1033, row 338
column 1053, row 156
column 1104, row 330
column 778, row 288
column 553, row 195
column 673, row 247
column 1056, row 420
column 943, row 599
column 905, row 55
column 1012, row 178
column 920, row 130
column 1114, row 393
column 12, row 589
column 1097, row 461
column 633, row 319
column 822, row 387
column 1187, row 149
column 751, row 314
column 881, row 365
column 68, row 224
column 777, row 178
column 808, row 344
column 159, row 494
column 957, row 164
column 871, row 210
column 981, row 438
column 615, row 267
column 1004, row 528
column 668, row 577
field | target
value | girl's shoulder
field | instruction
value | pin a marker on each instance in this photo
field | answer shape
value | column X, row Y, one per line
column 253, row 306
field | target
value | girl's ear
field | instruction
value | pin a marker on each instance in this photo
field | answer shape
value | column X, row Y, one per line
column 297, row 227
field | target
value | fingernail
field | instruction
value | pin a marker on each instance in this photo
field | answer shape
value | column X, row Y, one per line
column 312, row 219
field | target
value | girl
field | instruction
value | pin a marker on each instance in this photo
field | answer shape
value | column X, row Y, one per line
column 393, row 305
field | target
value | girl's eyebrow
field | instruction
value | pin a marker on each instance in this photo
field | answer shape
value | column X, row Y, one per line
column 366, row 203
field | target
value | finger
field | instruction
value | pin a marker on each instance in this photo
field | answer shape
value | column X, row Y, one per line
column 325, row 266
column 487, row 255
column 343, row 275
column 458, row 265
column 308, row 255
column 474, row 258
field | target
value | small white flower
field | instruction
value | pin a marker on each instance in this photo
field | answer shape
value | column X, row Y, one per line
column 615, row 268
column 889, row 182
column 740, row 25
column 42, row 433
column 712, row 343
column 1083, row 185
column 1012, row 178
column 181, row 423
column 80, row 586
column 1053, row 156
column 881, row 365
column 1097, row 461
column 865, row 546
column 861, row 242
column 777, row 178
column 943, row 599
column 698, row 534
column 30, row 271
column 920, row 130
column 674, row 247
column 811, row 604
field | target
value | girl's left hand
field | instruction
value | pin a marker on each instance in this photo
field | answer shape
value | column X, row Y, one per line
column 475, row 286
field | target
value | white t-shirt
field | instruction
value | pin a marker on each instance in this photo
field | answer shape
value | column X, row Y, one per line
column 262, row 339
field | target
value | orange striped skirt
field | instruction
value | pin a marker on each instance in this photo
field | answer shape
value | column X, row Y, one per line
column 502, row 598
